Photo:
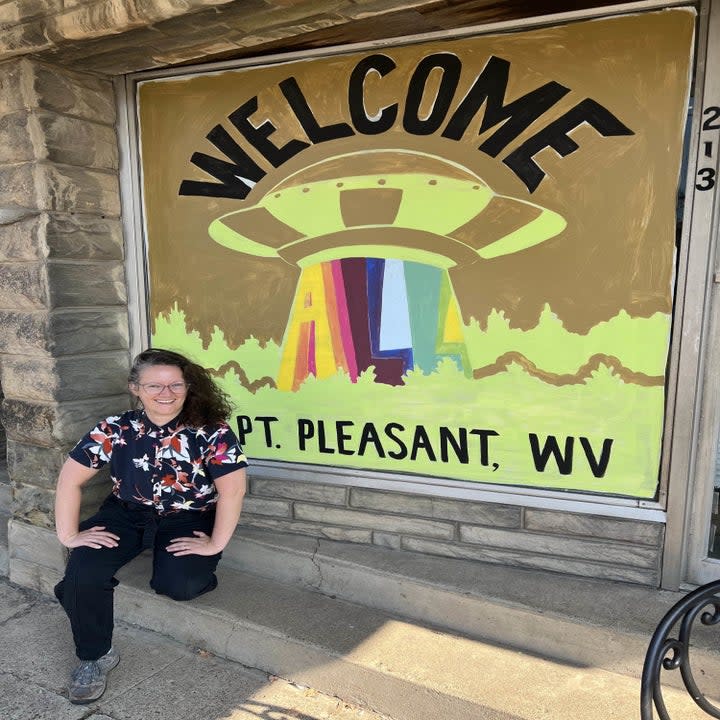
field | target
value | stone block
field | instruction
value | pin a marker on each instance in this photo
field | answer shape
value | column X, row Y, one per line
column 310, row 492
column 56, row 424
column 16, row 138
column 396, row 5
column 310, row 15
column 625, row 554
column 153, row 11
column 24, row 332
column 23, row 39
column 393, row 502
column 372, row 8
column 17, row 186
column 30, row 543
column 42, row 186
column 11, row 85
column 387, row 540
column 25, row 421
column 18, row 11
column 370, row 521
column 438, row 508
column 79, row 55
column 23, row 240
column 190, row 32
column 72, row 189
column 477, row 513
column 82, row 330
column 86, row 284
column 261, row 36
column 570, row 566
column 5, row 499
column 593, row 526
column 120, row 62
column 310, row 6
column 34, row 465
column 83, row 237
column 11, row 214
column 62, row 379
column 71, row 93
column 23, row 286
column 37, row 235
column 192, row 52
column 290, row 3
column 262, row 506
column 97, row 19
column 189, row 22
column 341, row 534
column 72, row 141
column 34, row 505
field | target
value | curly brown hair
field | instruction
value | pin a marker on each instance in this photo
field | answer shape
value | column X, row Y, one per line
column 205, row 404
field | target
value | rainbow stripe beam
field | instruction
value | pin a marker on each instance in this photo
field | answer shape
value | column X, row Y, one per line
column 357, row 313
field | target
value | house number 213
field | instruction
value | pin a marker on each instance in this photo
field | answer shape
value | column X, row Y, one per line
column 706, row 176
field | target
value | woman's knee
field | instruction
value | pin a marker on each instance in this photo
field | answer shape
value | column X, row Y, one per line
column 178, row 587
column 84, row 571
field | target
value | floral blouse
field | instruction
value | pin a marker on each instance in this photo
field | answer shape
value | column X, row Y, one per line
column 170, row 468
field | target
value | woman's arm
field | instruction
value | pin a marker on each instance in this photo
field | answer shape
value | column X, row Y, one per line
column 68, row 495
column 231, row 491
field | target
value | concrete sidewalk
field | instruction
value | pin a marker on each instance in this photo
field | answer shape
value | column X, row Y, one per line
column 157, row 678
column 160, row 679
column 354, row 632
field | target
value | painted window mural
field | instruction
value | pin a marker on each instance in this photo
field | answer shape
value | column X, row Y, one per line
column 452, row 259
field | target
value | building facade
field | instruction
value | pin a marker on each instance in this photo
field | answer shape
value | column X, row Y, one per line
column 287, row 191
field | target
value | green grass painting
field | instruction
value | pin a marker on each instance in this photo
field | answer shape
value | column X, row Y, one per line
column 600, row 433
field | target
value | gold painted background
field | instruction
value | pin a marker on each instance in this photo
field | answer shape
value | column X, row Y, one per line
column 617, row 194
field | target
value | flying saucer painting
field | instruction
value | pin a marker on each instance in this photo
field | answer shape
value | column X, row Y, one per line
column 450, row 258
column 374, row 250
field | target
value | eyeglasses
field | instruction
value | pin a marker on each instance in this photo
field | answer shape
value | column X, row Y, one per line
column 176, row 388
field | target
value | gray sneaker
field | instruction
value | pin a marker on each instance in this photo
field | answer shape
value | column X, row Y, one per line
column 89, row 678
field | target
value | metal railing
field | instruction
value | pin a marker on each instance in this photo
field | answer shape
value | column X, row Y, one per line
column 670, row 650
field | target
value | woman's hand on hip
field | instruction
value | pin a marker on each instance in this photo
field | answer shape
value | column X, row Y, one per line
column 201, row 544
column 95, row 537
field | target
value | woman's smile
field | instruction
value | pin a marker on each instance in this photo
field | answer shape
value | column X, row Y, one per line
column 162, row 391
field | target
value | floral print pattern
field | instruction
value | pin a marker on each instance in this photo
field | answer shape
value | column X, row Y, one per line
column 170, row 467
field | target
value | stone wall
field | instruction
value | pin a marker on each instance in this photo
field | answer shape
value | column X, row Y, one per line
column 63, row 315
column 5, row 500
column 573, row 543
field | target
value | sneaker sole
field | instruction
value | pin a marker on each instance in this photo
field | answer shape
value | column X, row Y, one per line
column 89, row 701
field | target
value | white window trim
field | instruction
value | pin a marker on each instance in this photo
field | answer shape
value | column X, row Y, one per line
column 689, row 503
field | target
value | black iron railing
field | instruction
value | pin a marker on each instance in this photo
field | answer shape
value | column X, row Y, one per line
column 669, row 649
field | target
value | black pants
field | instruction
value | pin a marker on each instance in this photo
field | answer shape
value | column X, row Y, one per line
column 86, row 591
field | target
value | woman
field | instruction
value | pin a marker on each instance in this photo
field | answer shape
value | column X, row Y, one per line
column 178, row 475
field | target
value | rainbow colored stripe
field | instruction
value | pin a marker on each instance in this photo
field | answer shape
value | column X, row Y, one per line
column 355, row 313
